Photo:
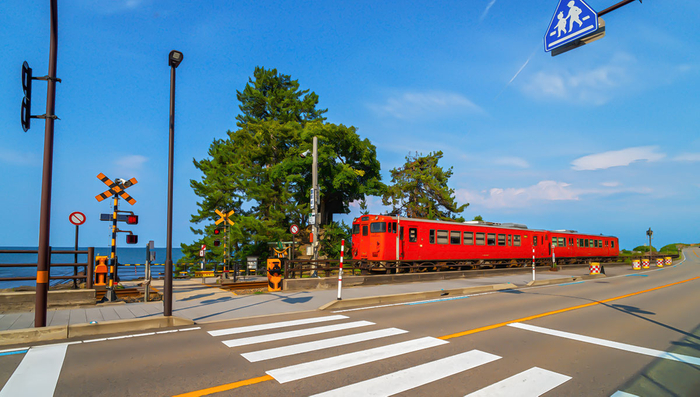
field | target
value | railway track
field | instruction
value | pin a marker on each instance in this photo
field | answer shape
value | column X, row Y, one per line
column 244, row 285
column 123, row 293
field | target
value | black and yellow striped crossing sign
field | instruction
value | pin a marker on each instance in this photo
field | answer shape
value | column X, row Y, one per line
column 224, row 218
column 117, row 189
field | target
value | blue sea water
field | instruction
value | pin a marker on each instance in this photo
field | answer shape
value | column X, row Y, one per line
column 125, row 255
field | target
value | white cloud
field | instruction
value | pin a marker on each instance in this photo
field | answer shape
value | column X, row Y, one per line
column 132, row 162
column 512, row 161
column 594, row 86
column 486, row 11
column 21, row 159
column 610, row 184
column 689, row 157
column 518, row 197
column 416, row 104
column 617, row 158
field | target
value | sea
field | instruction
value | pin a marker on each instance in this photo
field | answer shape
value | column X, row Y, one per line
column 125, row 255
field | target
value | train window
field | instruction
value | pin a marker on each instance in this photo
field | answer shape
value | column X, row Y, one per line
column 606, row 243
column 571, row 241
column 562, row 242
column 585, row 242
column 377, row 227
column 592, row 243
column 432, row 237
column 365, row 218
column 393, row 227
column 501, row 239
column 480, row 239
column 510, row 238
column 355, row 229
column 455, row 237
column 401, row 233
column 364, row 230
column 469, row 238
column 578, row 242
column 412, row 235
column 534, row 241
column 491, row 239
column 600, row 243
column 516, row 240
column 612, row 243
column 442, row 236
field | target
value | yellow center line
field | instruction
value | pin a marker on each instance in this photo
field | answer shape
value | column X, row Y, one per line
column 229, row 386
column 493, row 326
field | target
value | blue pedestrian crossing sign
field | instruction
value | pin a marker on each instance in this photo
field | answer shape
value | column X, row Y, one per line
column 572, row 20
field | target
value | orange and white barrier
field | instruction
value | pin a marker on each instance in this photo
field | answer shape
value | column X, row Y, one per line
column 594, row 268
column 645, row 263
column 659, row 262
column 636, row 265
column 668, row 261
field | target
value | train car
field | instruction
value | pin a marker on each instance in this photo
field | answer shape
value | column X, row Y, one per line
column 382, row 238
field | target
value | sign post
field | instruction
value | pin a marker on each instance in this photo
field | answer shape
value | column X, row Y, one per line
column 202, row 253
column 77, row 218
column 340, row 271
column 294, row 229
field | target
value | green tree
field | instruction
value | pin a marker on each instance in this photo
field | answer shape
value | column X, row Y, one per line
column 257, row 171
column 419, row 189
column 478, row 218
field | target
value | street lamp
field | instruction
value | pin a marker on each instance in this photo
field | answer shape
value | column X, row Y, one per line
column 174, row 59
column 650, row 233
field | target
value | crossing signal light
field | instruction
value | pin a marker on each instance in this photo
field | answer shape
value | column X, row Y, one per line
column 26, row 115
column 217, row 232
column 132, row 219
column 217, row 243
column 132, row 239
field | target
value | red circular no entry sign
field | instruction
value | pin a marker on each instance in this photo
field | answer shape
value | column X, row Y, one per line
column 294, row 229
column 77, row 218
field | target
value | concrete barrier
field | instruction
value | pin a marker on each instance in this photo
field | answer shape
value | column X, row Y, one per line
column 30, row 335
column 411, row 296
column 17, row 302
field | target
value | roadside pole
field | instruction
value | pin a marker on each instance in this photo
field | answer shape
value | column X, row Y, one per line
column 340, row 271
column 533, row 263
column 554, row 259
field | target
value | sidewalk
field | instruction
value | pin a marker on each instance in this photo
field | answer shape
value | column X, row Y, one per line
column 201, row 303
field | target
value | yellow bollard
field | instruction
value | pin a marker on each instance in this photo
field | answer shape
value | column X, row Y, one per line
column 594, row 268
column 636, row 265
column 659, row 262
column 645, row 263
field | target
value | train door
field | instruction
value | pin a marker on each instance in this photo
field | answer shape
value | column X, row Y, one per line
column 377, row 234
column 364, row 237
column 411, row 247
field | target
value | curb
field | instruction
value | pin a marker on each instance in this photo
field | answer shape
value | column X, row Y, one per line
column 71, row 331
column 563, row 280
column 412, row 296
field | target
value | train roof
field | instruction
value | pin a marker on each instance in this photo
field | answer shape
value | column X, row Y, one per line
column 512, row 226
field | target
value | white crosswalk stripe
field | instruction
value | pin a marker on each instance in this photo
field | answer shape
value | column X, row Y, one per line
column 281, row 324
column 313, row 368
column 299, row 348
column 531, row 383
column 293, row 334
column 413, row 377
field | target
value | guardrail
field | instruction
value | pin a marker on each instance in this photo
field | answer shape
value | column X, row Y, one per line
column 87, row 274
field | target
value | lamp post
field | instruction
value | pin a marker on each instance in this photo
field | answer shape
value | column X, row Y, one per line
column 650, row 233
column 314, row 203
column 174, row 59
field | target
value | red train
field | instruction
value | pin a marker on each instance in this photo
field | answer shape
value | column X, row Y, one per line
column 426, row 242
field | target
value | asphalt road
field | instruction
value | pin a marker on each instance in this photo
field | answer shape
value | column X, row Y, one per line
column 628, row 335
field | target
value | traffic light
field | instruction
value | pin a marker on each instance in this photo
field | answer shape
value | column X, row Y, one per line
column 217, row 243
column 26, row 115
column 132, row 239
column 132, row 219
column 217, row 232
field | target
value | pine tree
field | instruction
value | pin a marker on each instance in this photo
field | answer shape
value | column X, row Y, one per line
column 257, row 171
column 419, row 189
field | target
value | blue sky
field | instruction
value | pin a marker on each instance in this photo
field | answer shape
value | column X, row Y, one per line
column 602, row 139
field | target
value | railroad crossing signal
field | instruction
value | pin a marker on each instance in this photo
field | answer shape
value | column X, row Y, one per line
column 117, row 189
column 224, row 218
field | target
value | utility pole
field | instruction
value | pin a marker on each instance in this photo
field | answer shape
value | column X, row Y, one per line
column 44, row 255
column 314, row 181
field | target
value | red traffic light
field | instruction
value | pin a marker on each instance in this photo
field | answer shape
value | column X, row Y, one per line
column 132, row 239
column 132, row 219
column 217, row 243
column 217, row 232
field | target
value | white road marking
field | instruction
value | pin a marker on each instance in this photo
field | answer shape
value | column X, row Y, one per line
column 531, row 383
column 623, row 394
column 410, row 378
column 167, row 332
column 312, row 368
column 615, row 345
column 281, row 324
column 292, row 334
column 291, row 350
column 95, row 340
column 414, row 303
column 42, row 361
column 189, row 329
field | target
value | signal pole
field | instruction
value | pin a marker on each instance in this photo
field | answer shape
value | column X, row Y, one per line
column 43, row 265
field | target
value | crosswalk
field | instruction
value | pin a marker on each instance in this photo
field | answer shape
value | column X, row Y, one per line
column 363, row 340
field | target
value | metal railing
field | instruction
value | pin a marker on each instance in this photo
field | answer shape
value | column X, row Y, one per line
column 87, row 274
